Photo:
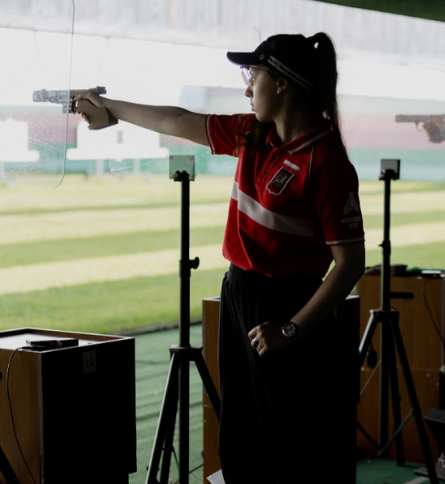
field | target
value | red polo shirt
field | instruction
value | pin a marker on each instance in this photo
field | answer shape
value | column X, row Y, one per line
column 290, row 202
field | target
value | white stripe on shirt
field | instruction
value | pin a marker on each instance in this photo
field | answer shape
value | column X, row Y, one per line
column 269, row 219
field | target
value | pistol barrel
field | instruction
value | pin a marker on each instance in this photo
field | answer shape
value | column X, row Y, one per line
column 411, row 118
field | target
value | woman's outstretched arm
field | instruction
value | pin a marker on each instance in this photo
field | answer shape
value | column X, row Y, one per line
column 170, row 120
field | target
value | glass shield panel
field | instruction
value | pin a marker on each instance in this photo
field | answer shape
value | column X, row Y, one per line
column 34, row 104
column 198, row 78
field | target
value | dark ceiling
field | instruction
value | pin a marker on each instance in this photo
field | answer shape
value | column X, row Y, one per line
column 427, row 9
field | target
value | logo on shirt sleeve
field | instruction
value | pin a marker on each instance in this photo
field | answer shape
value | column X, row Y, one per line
column 279, row 181
column 351, row 206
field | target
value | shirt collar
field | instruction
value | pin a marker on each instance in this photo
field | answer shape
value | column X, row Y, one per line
column 300, row 142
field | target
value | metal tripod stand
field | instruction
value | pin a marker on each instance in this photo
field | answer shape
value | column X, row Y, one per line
column 390, row 341
column 178, row 380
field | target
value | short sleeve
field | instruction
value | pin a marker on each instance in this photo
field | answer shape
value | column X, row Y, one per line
column 334, row 189
column 224, row 132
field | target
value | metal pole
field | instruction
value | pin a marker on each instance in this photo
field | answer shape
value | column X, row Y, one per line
column 184, row 331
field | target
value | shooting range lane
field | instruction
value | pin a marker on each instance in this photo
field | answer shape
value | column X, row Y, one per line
column 35, row 277
column 68, row 224
column 62, row 274
column 91, row 223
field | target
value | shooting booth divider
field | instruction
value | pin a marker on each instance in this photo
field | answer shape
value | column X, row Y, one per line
column 33, row 136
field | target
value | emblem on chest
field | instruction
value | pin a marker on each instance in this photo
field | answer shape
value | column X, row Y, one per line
column 279, row 182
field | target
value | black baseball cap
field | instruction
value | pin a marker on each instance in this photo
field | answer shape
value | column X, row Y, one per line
column 265, row 55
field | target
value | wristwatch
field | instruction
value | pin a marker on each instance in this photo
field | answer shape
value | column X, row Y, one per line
column 290, row 330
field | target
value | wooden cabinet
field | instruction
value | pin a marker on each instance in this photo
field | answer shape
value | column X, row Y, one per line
column 73, row 408
column 210, row 325
column 422, row 324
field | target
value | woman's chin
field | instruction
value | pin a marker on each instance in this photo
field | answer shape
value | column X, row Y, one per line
column 262, row 119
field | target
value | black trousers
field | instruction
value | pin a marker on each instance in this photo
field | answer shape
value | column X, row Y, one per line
column 277, row 411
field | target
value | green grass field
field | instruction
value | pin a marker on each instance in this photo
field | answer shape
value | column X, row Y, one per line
column 101, row 254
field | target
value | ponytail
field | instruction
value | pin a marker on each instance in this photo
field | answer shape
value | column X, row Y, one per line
column 325, row 80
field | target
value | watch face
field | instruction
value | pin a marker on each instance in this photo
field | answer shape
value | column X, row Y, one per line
column 290, row 330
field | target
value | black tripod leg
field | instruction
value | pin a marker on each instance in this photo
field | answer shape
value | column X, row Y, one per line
column 385, row 352
column 208, row 384
column 426, row 450
column 168, row 413
column 395, row 400
column 169, row 436
column 367, row 337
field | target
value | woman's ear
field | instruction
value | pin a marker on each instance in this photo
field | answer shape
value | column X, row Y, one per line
column 282, row 85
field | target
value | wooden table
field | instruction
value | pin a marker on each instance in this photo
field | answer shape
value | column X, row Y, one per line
column 73, row 408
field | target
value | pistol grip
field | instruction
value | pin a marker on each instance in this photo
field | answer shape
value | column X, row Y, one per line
column 99, row 117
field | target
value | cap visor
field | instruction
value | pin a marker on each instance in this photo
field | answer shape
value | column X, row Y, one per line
column 243, row 58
